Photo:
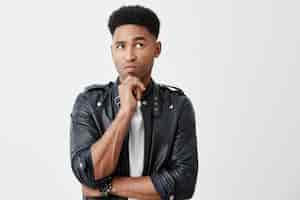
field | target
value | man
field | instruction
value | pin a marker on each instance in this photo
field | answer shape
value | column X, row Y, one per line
column 134, row 138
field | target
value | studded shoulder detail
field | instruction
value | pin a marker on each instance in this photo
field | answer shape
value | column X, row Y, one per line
column 172, row 89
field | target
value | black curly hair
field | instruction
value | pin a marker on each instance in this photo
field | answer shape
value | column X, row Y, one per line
column 137, row 15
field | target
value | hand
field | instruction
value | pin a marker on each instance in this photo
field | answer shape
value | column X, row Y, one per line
column 90, row 192
column 130, row 91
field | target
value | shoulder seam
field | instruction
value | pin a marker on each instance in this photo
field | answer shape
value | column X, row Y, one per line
column 96, row 86
column 172, row 89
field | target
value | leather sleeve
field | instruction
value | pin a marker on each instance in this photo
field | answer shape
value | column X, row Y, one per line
column 83, row 133
column 178, row 179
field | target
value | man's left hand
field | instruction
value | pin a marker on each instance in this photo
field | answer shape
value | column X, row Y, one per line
column 90, row 192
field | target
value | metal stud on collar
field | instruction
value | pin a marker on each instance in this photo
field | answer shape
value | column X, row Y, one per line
column 117, row 100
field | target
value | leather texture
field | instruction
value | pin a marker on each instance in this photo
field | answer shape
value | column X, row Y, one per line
column 171, row 158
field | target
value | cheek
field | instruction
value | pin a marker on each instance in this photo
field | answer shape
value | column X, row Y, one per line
column 116, row 58
column 147, row 56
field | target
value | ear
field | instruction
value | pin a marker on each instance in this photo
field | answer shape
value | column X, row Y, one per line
column 157, row 48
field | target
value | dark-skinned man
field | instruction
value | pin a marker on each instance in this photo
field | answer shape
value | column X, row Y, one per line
column 134, row 138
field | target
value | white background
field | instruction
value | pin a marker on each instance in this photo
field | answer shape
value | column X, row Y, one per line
column 238, row 61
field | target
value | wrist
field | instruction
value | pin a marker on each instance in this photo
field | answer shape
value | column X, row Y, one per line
column 115, row 185
column 106, row 187
column 125, row 113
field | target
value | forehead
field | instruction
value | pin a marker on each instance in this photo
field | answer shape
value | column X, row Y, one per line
column 129, row 32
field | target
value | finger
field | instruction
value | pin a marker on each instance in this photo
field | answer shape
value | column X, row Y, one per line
column 134, row 92
column 137, row 81
column 139, row 94
column 127, row 79
column 139, row 84
column 134, row 83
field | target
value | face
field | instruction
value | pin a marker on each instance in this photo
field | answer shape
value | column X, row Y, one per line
column 134, row 49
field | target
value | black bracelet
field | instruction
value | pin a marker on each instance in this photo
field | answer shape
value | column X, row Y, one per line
column 106, row 186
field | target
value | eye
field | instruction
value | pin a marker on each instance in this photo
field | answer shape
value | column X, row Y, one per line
column 139, row 45
column 120, row 46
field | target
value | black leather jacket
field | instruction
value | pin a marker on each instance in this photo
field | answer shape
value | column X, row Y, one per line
column 170, row 137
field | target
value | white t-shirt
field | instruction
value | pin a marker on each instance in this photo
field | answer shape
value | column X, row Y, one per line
column 136, row 143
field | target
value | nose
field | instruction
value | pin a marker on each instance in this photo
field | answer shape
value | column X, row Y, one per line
column 130, row 55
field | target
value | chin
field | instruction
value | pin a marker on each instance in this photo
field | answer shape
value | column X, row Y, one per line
column 132, row 74
column 124, row 76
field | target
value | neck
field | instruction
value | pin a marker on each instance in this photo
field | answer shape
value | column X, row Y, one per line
column 146, row 81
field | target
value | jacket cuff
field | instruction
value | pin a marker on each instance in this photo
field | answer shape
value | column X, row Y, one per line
column 164, row 184
column 83, row 169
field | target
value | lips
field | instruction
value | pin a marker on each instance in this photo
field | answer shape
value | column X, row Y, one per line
column 130, row 66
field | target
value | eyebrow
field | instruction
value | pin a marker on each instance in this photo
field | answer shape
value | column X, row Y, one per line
column 134, row 39
column 139, row 38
